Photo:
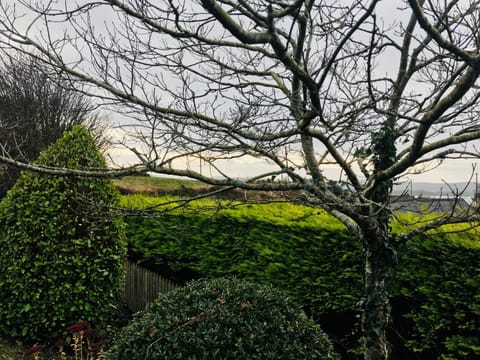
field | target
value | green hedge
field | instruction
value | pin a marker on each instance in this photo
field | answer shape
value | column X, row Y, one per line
column 435, row 288
column 438, row 283
column 279, row 244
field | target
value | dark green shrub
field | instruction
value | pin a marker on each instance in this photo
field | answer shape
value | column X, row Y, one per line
column 61, row 249
column 438, row 284
column 224, row 318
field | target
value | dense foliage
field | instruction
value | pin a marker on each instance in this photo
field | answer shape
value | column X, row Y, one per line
column 438, row 289
column 224, row 318
column 282, row 243
column 311, row 255
column 61, row 249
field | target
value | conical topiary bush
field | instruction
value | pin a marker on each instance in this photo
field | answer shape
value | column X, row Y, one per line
column 61, row 248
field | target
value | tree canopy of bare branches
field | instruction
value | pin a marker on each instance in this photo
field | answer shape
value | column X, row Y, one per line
column 379, row 89
column 35, row 110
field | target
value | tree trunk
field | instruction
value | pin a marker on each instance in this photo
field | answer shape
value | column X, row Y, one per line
column 378, row 251
column 376, row 306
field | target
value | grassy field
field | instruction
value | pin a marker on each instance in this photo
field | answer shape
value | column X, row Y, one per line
column 185, row 188
column 156, row 185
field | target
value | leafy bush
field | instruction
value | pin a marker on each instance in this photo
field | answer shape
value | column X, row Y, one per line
column 224, row 318
column 62, row 250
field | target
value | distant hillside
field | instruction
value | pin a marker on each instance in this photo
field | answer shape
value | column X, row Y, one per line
column 435, row 189
column 151, row 185
column 160, row 186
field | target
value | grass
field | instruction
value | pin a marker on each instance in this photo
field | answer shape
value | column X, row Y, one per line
column 186, row 188
column 156, row 185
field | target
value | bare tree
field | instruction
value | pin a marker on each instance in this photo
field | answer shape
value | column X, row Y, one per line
column 36, row 107
column 303, row 84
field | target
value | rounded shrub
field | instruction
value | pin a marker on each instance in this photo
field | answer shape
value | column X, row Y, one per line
column 223, row 318
column 61, row 248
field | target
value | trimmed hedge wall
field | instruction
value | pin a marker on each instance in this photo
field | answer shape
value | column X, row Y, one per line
column 258, row 250
column 435, row 289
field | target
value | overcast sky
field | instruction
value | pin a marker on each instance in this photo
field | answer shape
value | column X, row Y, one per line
column 450, row 171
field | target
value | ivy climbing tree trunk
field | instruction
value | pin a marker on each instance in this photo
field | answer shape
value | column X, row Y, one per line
column 378, row 249
column 376, row 306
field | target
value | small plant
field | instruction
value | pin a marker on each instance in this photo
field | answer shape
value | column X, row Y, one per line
column 83, row 345
column 34, row 351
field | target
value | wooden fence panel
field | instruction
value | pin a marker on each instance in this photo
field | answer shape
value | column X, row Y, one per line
column 142, row 286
